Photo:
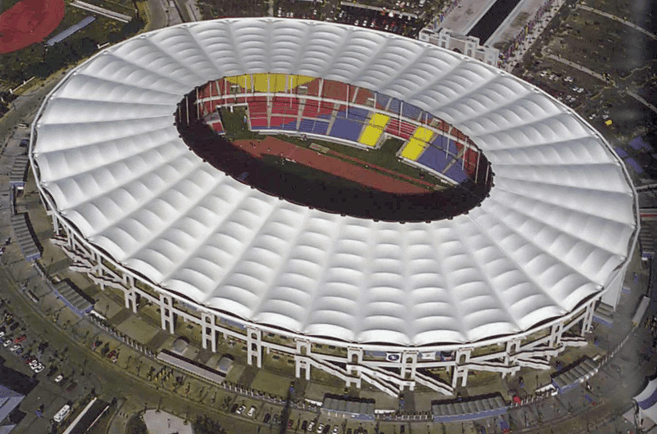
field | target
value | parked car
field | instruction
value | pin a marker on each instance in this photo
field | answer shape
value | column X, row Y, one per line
column 38, row 368
column 304, row 425
column 234, row 407
column 72, row 386
column 20, row 339
column 267, row 417
column 111, row 354
column 7, row 342
column 336, row 429
column 59, row 378
column 240, row 409
column 290, row 423
column 14, row 347
column 320, row 428
column 251, row 412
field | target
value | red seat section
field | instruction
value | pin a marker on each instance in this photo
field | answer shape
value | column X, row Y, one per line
column 361, row 97
column 313, row 87
column 400, row 129
column 335, row 90
column 258, row 111
column 285, row 106
column 314, row 109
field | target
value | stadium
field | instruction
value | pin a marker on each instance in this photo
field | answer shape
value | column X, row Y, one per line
column 508, row 284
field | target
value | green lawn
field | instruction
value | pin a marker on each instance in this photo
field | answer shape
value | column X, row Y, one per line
column 385, row 156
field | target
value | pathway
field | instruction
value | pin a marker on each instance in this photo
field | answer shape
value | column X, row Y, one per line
column 613, row 17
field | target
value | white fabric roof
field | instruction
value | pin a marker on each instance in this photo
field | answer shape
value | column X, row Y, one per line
column 556, row 227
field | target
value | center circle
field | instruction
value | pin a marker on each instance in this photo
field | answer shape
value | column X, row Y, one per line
column 335, row 147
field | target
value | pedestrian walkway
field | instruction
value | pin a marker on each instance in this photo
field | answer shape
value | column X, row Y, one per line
column 613, row 17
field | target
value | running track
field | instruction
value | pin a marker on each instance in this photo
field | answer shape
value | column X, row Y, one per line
column 29, row 22
column 333, row 165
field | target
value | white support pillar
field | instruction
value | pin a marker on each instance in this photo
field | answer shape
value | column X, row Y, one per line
column 408, row 367
column 512, row 347
column 354, row 358
column 56, row 224
column 167, row 314
column 556, row 335
column 131, row 299
column 254, row 344
column 303, row 350
column 209, row 331
column 587, row 319
column 462, row 357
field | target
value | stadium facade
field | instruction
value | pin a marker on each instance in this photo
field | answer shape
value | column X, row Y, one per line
column 510, row 284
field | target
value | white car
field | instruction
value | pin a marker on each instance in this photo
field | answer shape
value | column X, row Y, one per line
column 38, row 368
column 15, row 347
column 240, row 409
column 336, row 429
column 7, row 342
column 251, row 412
column 59, row 378
column 320, row 428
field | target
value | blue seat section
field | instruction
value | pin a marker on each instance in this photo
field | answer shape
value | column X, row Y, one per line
column 291, row 126
column 323, row 116
column 346, row 129
column 442, row 142
column 394, row 106
column 454, row 172
column 306, row 126
column 382, row 99
column 410, row 111
column 355, row 113
column 434, row 158
column 320, row 127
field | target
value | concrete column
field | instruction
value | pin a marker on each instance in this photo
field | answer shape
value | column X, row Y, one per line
column 511, row 347
column 303, row 350
column 167, row 314
column 463, row 356
column 209, row 331
column 408, row 367
column 354, row 357
column 254, row 344
column 556, row 335
column 587, row 319
column 130, row 299
column 56, row 224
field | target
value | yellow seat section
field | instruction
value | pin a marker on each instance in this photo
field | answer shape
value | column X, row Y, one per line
column 379, row 120
column 423, row 134
column 269, row 82
column 370, row 136
column 413, row 149
column 372, row 132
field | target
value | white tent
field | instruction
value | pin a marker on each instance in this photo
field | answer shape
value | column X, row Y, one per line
column 646, row 401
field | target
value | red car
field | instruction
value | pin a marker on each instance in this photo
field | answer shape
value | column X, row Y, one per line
column 111, row 354
column 20, row 339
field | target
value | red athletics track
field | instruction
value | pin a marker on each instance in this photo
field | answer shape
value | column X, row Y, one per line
column 328, row 164
column 28, row 22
